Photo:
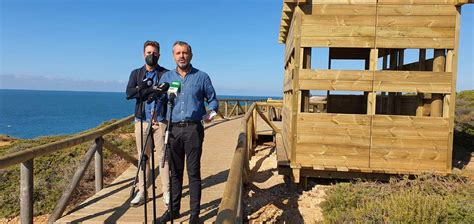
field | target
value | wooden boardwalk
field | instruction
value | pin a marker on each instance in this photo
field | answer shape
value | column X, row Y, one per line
column 112, row 204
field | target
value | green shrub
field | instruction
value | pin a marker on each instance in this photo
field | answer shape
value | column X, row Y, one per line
column 425, row 199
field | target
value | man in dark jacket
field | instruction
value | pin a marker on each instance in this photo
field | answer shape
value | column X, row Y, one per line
column 145, row 115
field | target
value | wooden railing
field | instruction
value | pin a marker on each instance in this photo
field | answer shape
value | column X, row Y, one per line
column 234, row 107
column 25, row 159
column 230, row 209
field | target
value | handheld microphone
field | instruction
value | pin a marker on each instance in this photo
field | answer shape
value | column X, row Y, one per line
column 174, row 89
column 157, row 91
column 162, row 87
column 145, row 84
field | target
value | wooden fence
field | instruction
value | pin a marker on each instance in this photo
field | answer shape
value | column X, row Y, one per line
column 25, row 159
column 230, row 209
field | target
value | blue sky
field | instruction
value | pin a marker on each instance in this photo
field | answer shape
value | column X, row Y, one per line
column 93, row 45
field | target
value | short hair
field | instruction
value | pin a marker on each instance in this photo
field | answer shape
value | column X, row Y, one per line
column 182, row 43
column 151, row 43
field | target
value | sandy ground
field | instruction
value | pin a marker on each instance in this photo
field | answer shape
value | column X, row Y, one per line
column 269, row 199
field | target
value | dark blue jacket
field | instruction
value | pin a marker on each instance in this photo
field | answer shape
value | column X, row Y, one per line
column 135, row 80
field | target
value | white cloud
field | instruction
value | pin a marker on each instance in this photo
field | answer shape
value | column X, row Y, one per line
column 34, row 82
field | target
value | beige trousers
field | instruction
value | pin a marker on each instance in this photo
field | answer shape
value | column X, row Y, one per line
column 158, row 139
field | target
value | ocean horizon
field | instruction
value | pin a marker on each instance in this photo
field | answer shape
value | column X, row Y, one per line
column 35, row 113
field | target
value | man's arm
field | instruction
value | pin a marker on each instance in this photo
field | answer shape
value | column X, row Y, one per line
column 132, row 90
column 210, row 94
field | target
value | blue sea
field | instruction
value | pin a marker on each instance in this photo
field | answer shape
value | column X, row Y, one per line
column 34, row 113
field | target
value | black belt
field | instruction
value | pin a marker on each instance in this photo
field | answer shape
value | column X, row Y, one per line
column 185, row 123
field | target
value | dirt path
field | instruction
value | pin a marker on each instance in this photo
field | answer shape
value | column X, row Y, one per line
column 269, row 199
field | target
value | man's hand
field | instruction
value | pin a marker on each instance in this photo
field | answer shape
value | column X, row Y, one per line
column 209, row 116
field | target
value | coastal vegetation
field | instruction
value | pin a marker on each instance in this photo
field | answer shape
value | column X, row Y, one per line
column 53, row 172
column 424, row 199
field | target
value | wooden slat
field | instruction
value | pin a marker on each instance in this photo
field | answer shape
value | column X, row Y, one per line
column 416, row 2
column 325, row 20
column 408, row 10
column 333, row 139
column 411, row 81
column 409, row 121
column 332, row 129
column 408, row 131
column 406, row 160
column 319, row 74
column 416, row 21
column 321, row 155
column 336, row 85
column 337, row 31
column 416, row 32
column 413, row 76
column 335, row 119
column 343, row 9
column 412, row 142
column 401, row 42
column 344, row 1
column 362, row 42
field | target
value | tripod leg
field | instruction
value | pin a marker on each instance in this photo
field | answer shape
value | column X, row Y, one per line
column 150, row 135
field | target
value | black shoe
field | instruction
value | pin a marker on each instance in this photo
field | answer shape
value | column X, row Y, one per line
column 194, row 219
column 166, row 217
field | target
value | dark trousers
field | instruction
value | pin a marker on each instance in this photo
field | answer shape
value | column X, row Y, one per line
column 186, row 142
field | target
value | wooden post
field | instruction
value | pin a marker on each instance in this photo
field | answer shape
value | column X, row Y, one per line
column 26, row 192
column 439, row 63
column 371, row 96
column 422, row 60
column 401, row 55
column 391, row 95
column 451, row 66
column 99, row 165
column 64, row 200
column 237, row 109
column 306, row 64
column 225, row 108
column 422, row 64
column 398, row 99
column 254, row 120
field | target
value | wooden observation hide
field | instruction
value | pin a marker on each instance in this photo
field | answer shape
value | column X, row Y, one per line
column 392, row 115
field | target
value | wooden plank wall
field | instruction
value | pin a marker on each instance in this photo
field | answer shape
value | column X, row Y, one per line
column 409, row 143
column 339, row 25
column 371, row 142
column 333, row 140
column 415, row 24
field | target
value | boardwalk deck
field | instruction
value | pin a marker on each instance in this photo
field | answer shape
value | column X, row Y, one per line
column 111, row 205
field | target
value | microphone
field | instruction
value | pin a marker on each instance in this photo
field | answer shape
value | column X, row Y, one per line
column 142, row 88
column 174, row 89
column 157, row 91
column 162, row 87
column 145, row 84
